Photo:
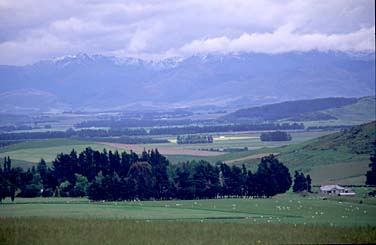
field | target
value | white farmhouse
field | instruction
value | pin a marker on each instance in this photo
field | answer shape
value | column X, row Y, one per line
column 336, row 190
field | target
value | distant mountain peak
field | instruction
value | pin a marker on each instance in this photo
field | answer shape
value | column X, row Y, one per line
column 249, row 79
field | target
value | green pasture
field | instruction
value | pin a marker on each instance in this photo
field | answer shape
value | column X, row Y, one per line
column 246, row 139
column 29, row 152
column 123, row 231
column 284, row 219
column 282, row 209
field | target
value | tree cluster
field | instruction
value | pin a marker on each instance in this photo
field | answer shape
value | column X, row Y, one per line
column 128, row 176
column 371, row 174
column 275, row 136
column 301, row 182
column 194, row 139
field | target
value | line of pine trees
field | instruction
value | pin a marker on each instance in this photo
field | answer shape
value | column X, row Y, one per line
column 128, row 176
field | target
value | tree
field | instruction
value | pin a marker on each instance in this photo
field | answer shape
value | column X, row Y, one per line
column 253, row 186
column 300, row 182
column 65, row 166
column 65, row 188
column 371, row 174
column 273, row 176
column 309, row 183
column 161, row 183
column 95, row 191
column 80, row 187
column 275, row 136
column 141, row 173
column 184, row 183
column 199, row 181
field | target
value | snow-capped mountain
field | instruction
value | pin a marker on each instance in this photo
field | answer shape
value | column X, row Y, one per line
column 244, row 79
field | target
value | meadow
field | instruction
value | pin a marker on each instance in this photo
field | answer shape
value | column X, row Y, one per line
column 291, row 218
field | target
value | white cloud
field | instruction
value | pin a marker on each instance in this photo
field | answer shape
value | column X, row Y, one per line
column 284, row 39
column 34, row 29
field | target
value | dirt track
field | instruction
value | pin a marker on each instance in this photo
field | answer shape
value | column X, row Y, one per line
column 255, row 156
column 165, row 150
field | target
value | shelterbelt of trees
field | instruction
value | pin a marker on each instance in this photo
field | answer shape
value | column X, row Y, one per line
column 128, row 176
column 275, row 136
column 115, row 132
column 194, row 139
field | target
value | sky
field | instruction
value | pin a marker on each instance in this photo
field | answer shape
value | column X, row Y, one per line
column 31, row 30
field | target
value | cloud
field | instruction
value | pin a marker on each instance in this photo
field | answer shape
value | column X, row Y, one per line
column 31, row 30
column 284, row 40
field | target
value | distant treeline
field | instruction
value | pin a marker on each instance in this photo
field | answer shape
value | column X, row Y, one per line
column 275, row 136
column 8, row 128
column 329, row 128
column 130, row 123
column 153, row 131
column 128, row 176
column 194, row 139
column 225, row 128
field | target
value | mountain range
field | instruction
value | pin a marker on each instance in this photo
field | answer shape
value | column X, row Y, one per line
column 94, row 82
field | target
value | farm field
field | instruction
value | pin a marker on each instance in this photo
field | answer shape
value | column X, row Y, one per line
column 29, row 152
column 164, row 150
column 325, row 162
column 285, row 209
column 225, row 221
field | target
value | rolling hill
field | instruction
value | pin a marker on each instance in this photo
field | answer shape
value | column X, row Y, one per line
column 341, row 157
column 347, row 111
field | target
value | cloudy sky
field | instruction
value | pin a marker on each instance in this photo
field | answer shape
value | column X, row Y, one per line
column 31, row 30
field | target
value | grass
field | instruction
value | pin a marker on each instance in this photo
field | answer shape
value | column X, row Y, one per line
column 284, row 219
column 362, row 111
column 282, row 209
column 94, row 231
column 28, row 153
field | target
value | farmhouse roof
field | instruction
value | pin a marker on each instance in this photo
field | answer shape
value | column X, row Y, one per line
column 331, row 187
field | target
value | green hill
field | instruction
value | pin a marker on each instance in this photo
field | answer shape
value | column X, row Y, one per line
column 290, row 109
column 326, row 111
column 341, row 157
column 364, row 110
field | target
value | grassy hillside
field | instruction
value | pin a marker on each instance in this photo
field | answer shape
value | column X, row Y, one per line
column 341, row 157
column 291, row 109
column 364, row 110
column 319, row 112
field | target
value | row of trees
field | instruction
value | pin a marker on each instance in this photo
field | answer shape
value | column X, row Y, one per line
column 127, row 176
column 114, row 132
column 275, row 136
column 194, row 139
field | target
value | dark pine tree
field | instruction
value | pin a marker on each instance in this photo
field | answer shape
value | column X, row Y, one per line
column 309, row 183
column 184, row 184
column 273, row 176
column 371, row 174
